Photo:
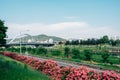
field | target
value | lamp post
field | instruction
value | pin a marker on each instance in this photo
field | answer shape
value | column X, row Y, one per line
column 20, row 45
column 21, row 41
column 26, row 53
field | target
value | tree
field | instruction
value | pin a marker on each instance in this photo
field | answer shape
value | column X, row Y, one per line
column 105, row 57
column 67, row 52
column 23, row 49
column 41, row 50
column 88, row 54
column 105, row 39
column 33, row 51
column 117, row 42
column 112, row 42
column 60, row 42
column 75, row 42
column 67, row 43
column 3, row 30
column 56, row 52
column 75, row 53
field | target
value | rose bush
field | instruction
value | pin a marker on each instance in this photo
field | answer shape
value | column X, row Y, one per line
column 56, row 72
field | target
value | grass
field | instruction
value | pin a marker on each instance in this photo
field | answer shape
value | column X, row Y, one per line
column 96, row 56
column 93, row 63
column 14, row 70
column 110, row 67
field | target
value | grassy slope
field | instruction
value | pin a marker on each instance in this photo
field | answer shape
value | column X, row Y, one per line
column 14, row 70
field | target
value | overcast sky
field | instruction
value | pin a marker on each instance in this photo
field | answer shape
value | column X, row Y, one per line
column 62, row 18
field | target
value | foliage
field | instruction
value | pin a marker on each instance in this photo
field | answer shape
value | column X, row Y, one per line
column 67, row 52
column 3, row 30
column 75, row 53
column 56, row 52
column 104, row 40
column 67, row 43
column 105, row 57
column 56, row 72
column 88, row 54
column 75, row 42
column 41, row 50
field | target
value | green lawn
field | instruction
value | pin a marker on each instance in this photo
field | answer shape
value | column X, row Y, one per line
column 14, row 70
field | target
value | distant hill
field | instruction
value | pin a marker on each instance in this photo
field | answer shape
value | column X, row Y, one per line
column 45, row 37
column 41, row 37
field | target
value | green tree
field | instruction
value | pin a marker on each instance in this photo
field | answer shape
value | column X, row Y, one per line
column 33, row 51
column 75, row 53
column 29, row 49
column 67, row 52
column 56, row 52
column 75, row 42
column 105, row 39
column 3, row 30
column 117, row 42
column 88, row 54
column 41, row 50
column 67, row 43
column 112, row 42
column 105, row 57
column 60, row 42
column 23, row 49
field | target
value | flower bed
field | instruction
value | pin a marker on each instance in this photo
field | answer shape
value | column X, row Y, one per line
column 56, row 72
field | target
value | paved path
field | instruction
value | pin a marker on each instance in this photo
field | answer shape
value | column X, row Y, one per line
column 61, row 63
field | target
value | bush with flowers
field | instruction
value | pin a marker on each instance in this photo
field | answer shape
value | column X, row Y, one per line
column 56, row 72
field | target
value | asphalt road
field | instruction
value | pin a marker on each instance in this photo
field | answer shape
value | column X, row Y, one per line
column 61, row 63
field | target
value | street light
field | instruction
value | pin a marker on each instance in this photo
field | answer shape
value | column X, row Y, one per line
column 20, row 45
column 26, row 53
column 21, row 40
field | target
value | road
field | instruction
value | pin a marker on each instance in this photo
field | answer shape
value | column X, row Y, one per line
column 62, row 63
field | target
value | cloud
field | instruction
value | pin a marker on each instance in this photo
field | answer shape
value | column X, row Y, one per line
column 64, row 29
column 71, row 17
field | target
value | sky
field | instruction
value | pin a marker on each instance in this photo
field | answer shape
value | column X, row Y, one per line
column 77, row 19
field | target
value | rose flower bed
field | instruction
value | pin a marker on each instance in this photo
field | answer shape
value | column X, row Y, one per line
column 57, row 72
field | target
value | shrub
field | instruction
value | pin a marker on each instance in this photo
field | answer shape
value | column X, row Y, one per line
column 56, row 72
column 75, row 53
column 88, row 54
column 56, row 52
column 41, row 50
column 105, row 57
column 67, row 52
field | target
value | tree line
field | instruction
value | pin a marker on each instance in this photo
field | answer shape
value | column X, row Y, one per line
column 67, row 52
column 104, row 40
